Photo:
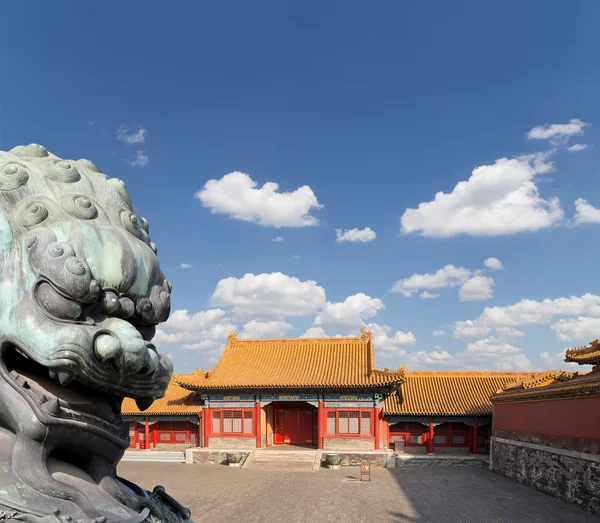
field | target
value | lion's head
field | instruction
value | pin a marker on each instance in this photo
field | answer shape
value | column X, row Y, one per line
column 80, row 295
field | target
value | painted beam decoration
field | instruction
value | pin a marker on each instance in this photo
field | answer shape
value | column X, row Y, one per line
column 82, row 293
column 343, row 400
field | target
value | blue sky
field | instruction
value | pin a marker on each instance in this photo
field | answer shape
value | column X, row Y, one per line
column 360, row 114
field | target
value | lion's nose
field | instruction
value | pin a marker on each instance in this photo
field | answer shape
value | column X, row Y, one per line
column 128, row 354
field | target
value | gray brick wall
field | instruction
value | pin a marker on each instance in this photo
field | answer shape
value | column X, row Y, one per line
column 231, row 443
column 348, row 443
column 568, row 475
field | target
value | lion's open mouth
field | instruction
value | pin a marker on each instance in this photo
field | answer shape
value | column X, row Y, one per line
column 61, row 396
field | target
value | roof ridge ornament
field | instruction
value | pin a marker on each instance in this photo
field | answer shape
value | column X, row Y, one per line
column 366, row 334
column 232, row 338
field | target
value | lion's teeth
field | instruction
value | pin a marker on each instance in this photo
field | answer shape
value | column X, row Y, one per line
column 65, row 377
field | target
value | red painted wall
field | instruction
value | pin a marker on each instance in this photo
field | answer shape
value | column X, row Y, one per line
column 577, row 417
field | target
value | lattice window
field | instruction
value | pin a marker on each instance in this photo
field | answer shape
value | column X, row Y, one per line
column 216, row 422
column 440, row 439
column 365, row 422
column 459, row 439
column 331, row 422
column 180, row 437
column 164, row 436
column 415, row 439
column 248, row 422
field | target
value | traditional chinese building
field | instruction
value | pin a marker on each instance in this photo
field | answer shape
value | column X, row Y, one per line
column 444, row 412
column 172, row 421
column 546, row 431
column 321, row 392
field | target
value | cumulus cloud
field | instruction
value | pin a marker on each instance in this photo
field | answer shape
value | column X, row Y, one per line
column 131, row 137
column 469, row 329
column 439, row 332
column 557, row 362
column 265, row 329
column 391, row 345
column 426, row 295
column 350, row 313
column 314, row 332
column 488, row 353
column 185, row 266
column 141, row 160
column 577, row 147
column 528, row 312
column 237, row 194
column 497, row 200
column 204, row 330
column 582, row 328
column 493, row 264
column 278, row 239
column 476, row 289
column 355, row 235
column 268, row 296
column 448, row 276
column 585, row 212
column 557, row 133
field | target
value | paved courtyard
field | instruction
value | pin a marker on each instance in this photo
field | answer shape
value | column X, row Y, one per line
column 219, row 494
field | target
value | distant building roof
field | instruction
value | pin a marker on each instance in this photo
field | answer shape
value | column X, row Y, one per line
column 585, row 355
column 313, row 363
column 448, row 393
column 177, row 401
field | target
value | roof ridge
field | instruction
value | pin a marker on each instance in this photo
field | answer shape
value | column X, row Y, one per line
column 463, row 373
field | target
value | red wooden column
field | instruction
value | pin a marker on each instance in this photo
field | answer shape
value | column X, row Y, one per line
column 430, row 440
column 320, row 425
column 200, row 421
column 147, row 433
column 376, row 426
column 257, row 425
column 207, row 419
column 474, row 450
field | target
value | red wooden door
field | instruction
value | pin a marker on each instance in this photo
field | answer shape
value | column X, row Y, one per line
column 279, row 427
column 305, row 427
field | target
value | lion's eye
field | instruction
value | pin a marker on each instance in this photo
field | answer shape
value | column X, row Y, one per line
column 56, row 304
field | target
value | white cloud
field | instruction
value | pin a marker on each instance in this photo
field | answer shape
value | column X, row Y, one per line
column 355, row 235
column 448, row 276
column 314, row 332
column 205, row 330
column 528, row 312
column 141, row 160
column 349, row 314
column 493, row 346
column 497, row 200
column 265, row 329
column 576, row 329
column 278, row 239
column 268, row 296
column 390, row 345
column 131, row 137
column 236, row 194
column 577, row 147
column 485, row 354
column 185, row 266
column 439, row 332
column 493, row 264
column 476, row 289
column 469, row 329
column 585, row 212
column 426, row 295
column 509, row 332
column 557, row 362
column 557, row 133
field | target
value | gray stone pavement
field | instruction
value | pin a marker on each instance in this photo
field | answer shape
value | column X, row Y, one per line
column 219, row 494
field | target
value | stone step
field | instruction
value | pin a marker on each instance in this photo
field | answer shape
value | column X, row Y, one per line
column 281, row 465
column 141, row 455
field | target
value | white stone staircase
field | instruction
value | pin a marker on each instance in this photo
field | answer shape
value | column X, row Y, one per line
column 168, row 456
column 307, row 460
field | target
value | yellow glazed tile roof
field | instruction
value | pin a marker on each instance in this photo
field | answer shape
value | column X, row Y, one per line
column 448, row 393
column 585, row 355
column 569, row 385
column 177, row 401
column 330, row 363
